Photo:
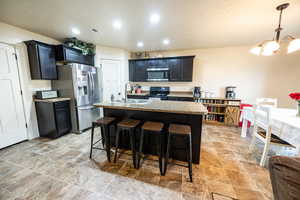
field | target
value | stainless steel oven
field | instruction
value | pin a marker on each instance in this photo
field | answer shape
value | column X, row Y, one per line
column 158, row 74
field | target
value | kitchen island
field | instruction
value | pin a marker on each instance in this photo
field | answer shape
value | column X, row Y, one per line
column 167, row 112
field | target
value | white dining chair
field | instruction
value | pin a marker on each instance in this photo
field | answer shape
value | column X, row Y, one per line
column 267, row 102
column 262, row 130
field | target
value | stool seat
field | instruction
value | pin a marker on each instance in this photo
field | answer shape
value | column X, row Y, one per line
column 129, row 123
column 179, row 129
column 129, row 126
column 104, row 120
column 153, row 126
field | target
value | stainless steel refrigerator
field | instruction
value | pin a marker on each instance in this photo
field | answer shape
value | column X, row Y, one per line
column 80, row 83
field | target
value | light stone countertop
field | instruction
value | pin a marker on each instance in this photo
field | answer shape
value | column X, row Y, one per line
column 179, row 107
column 52, row 100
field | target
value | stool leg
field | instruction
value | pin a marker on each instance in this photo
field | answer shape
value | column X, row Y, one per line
column 132, row 144
column 167, row 153
column 189, row 156
column 160, row 154
column 117, row 143
column 140, row 148
column 103, row 136
column 107, row 141
column 92, row 139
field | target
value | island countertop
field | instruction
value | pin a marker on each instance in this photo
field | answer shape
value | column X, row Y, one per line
column 179, row 107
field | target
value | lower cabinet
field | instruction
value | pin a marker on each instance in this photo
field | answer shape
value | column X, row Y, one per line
column 180, row 98
column 53, row 118
column 232, row 114
column 137, row 96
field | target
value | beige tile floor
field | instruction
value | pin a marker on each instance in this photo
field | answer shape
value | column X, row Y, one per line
column 61, row 169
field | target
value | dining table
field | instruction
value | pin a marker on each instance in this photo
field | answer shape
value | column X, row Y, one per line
column 285, row 124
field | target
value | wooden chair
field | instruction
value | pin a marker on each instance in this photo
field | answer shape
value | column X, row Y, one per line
column 262, row 130
column 266, row 102
column 285, row 179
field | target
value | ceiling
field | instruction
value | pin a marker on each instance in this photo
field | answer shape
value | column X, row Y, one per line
column 187, row 24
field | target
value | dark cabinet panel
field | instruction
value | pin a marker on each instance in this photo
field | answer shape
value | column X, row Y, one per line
column 180, row 98
column 68, row 54
column 137, row 96
column 62, row 116
column 53, row 118
column 131, row 70
column 140, row 73
column 175, row 68
column 41, row 60
column 187, row 69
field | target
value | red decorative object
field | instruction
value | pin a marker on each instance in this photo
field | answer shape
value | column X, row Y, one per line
column 242, row 106
column 295, row 96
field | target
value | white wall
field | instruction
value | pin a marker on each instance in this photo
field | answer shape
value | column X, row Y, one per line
column 255, row 76
column 14, row 36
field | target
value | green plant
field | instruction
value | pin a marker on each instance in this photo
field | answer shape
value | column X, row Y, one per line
column 85, row 47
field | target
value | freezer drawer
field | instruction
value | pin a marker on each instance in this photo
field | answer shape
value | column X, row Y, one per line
column 86, row 115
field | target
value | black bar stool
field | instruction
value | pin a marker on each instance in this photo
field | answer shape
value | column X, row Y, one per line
column 128, row 125
column 185, row 132
column 104, row 123
column 155, row 127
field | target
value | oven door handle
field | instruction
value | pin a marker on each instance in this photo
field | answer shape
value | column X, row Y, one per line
column 158, row 69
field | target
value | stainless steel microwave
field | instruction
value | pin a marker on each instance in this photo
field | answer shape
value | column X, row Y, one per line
column 158, row 74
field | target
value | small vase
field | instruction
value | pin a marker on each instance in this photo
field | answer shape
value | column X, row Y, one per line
column 298, row 108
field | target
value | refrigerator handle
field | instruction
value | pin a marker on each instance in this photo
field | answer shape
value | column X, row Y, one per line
column 90, row 87
column 93, row 83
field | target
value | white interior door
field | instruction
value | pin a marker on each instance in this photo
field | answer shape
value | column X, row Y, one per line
column 12, row 119
column 111, row 79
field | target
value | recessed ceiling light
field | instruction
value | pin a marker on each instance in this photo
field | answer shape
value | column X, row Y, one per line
column 117, row 24
column 166, row 41
column 75, row 31
column 140, row 44
column 154, row 18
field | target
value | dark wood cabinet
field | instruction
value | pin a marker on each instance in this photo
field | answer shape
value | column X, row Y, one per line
column 53, row 118
column 187, row 69
column 140, row 71
column 41, row 60
column 137, row 96
column 180, row 68
column 173, row 98
column 68, row 54
column 175, row 68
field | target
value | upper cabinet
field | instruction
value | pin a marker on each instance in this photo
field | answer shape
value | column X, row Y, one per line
column 42, row 60
column 68, row 54
column 175, row 69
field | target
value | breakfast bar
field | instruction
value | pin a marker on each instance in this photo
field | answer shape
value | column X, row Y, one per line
column 167, row 112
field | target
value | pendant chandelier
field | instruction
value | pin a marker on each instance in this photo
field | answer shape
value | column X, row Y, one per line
column 270, row 47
